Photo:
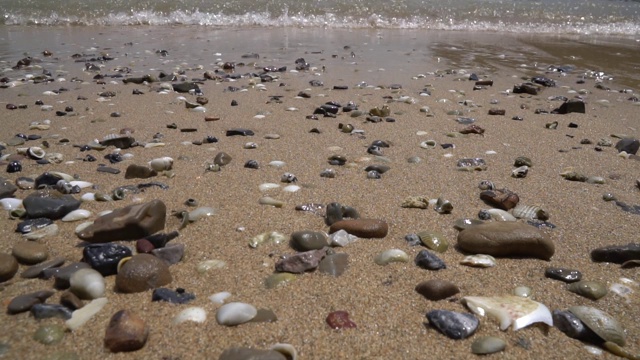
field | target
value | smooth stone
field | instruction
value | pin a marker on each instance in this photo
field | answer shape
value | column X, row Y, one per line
column 235, row 313
column 122, row 141
column 453, row 324
column 429, row 261
column 70, row 300
column 128, row 223
column 487, row 345
column 7, row 188
column 8, row 267
column 179, row 296
column 171, row 253
column 341, row 238
column 363, row 228
column 628, row 145
column 37, row 270
column 63, row 274
column 240, row 132
column 265, row 316
column 243, row 353
column 142, row 272
column 562, row 274
column 87, row 284
column 573, row 327
column 84, row 314
column 436, row 289
column 45, row 311
column 462, row 224
column 30, row 252
column 334, row 264
column 522, row 291
column 222, row 159
column 278, row 279
column 192, row 314
column 126, row 332
column 571, row 106
column 22, row 303
column 139, row 172
column 617, row 254
column 308, row 240
column 340, row 320
column 49, row 334
column 220, row 298
column 105, row 257
column 593, row 290
column 144, row 246
column 49, row 204
column 506, row 239
column 301, row 262
column 392, row 255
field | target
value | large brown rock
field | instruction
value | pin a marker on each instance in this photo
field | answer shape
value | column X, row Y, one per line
column 8, row 267
column 142, row 272
column 506, row 239
column 364, row 228
column 128, row 223
column 126, row 332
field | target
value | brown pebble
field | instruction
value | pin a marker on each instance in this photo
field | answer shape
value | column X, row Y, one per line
column 497, row 112
column 70, row 300
column 364, row 228
column 142, row 272
column 126, row 332
column 8, row 267
column 436, row 289
column 30, row 252
column 222, row 159
column 22, row 303
column 36, row 270
column 264, row 315
column 211, row 118
column 144, row 246
column 340, row 320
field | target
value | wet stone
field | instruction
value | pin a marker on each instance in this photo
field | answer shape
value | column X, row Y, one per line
column 37, row 270
column 340, row 320
column 453, row 324
column 179, row 296
column 45, row 311
column 429, row 261
column 30, row 252
column 8, row 267
column 22, row 303
column 334, row 264
column 142, row 272
column 126, row 332
column 49, row 204
column 562, row 274
column 128, row 223
column 437, row 289
column 105, row 257
column 617, row 254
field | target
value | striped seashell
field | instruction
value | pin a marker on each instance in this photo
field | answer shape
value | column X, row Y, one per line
column 530, row 212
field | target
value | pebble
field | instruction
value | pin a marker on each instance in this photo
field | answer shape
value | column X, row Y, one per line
column 37, row 270
column 593, row 290
column 63, row 274
column 142, row 272
column 617, row 254
column 193, row 314
column 265, row 316
column 278, row 279
column 363, row 228
column 105, row 257
column 436, row 289
column 8, row 267
column 308, row 240
column 49, row 204
column 392, row 255
column 49, row 334
column 563, row 274
column 334, row 264
column 453, row 324
column 429, row 261
column 340, row 320
column 235, row 313
column 22, row 303
column 30, row 252
column 172, row 253
column 301, row 262
column 479, row 260
column 487, row 345
column 522, row 291
column 126, row 332
column 70, row 300
column 506, row 239
column 87, row 284
column 45, row 311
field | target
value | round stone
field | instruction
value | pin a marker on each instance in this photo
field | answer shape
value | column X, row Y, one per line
column 437, row 289
column 142, row 272
column 8, row 267
column 30, row 252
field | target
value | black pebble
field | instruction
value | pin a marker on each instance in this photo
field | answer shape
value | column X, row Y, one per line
column 429, row 261
column 14, row 167
column 175, row 297
column 562, row 274
column 105, row 257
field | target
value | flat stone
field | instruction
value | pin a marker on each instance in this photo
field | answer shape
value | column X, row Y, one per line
column 243, row 353
column 139, row 172
column 301, row 262
column 628, row 145
column 453, row 324
column 105, row 257
column 363, row 228
column 49, row 204
column 45, row 311
column 334, row 264
column 37, row 270
column 239, row 132
column 126, row 332
column 22, row 303
column 436, row 289
column 129, row 223
column 506, row 239
column 562, row 274
column 142, row 272
column 617, row 254
column 8, row 267
column 122, row 142
column 571, row 106
column 7, row 188
column 308, row 240
column 30, row 252
column 171, row 253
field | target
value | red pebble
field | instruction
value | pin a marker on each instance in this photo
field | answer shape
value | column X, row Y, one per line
column 340, row 320
column 144, row 246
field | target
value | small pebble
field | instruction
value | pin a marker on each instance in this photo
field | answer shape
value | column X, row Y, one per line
column 487, row 345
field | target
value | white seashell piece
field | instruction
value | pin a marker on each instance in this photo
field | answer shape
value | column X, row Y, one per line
column 268, row 186
column 10, row 203
column 509, row 309
column 392, row 255
column 80, row 184
column 287, row 350
column 201, row 212
column 479, row 260
column 500, row 215
column 82, row 315
column 291, row 188
column 76, row 215
column 80, row 228
column 161, row 164
column 235, row 313
column 219, row 298
column 277, row 163
column 194, row 314
column 341, row 238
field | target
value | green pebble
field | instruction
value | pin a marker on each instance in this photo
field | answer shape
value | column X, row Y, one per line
column 487, row 345
column 49, row 334
column 277, row 279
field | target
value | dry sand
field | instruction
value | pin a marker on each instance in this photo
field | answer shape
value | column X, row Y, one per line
column 389, row 314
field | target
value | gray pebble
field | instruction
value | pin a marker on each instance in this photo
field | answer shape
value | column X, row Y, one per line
column 487, row 345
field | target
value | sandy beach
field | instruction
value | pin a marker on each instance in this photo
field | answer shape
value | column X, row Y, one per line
column 381, row 300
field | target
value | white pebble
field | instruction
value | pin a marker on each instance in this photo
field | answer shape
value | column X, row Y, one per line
column 291, row 188
column 277, row 163
column 199, row 109
column 10, row 203
column 235, row 313
column 78, row 214
column 80, row 184
column 87, row 284
column 219, row 298
column 268, row 186
column 88, row 197
column 82, row 315
column 194, row 314
column 259, row 117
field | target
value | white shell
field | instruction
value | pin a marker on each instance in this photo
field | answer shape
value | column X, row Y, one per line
column 287, row 350
column 479, row 260
column 509, row 309
column 194, row 314
column 161, row 164
column 201, row 212
column 87, row 284
column 268, row 186
column 82, row 315
column 501, row 215
column 78, row 214
column 219, row 298
column 235, row 313
column 49, row 230
column 88, row 197
column 66, row 177
column 277, row 163
column 199, row 109
column 10, row 203
column 391, row 255
column 291, row 188
column 81, row 184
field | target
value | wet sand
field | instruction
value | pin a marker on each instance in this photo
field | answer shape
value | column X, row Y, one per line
column 381, row 300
